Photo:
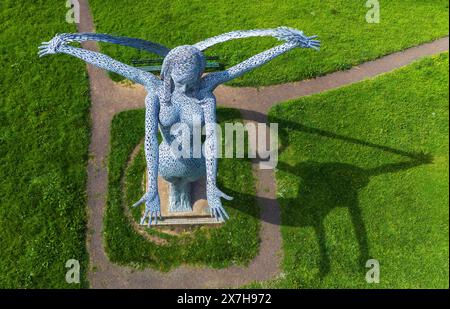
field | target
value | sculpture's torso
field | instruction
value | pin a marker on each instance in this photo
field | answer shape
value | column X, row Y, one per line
column 183, row 109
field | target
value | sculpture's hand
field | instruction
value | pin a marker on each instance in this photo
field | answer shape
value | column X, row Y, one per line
column 152, row 207
column 293, row 35
column 53, row 46
column 217, row 211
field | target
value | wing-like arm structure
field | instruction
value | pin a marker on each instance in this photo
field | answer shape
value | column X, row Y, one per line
column 58, row 45
column 292, row 37
column 149, row 46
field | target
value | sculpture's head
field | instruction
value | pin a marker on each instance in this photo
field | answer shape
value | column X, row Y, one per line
column 182, row 68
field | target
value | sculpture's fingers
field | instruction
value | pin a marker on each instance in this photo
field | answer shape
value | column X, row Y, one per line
column 224, row 213
column 43, row 50
column 213, row 212
column 140, row 201
column 144, row 216
column 43, row 46
column 227, row 197
column 218, row 215
column 137, row 203
column 149, row 220
column 221, row 194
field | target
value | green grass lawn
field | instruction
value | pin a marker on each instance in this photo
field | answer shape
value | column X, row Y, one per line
column 44, row 137
column 363, row 173
column 236, row 242
column 347, row 39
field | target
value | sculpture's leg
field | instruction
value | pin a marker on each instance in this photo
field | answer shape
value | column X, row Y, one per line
column 179, row 195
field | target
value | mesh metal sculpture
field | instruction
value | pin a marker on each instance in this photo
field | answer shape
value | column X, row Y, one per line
column 180, row 93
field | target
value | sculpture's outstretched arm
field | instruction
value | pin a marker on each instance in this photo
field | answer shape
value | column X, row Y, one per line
column 240, row 34
column 151, row 197
column 294, row 38
column 213, row 194
column 57, row 45
column 155, row 48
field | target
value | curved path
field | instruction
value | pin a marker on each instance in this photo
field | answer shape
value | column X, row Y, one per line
column 109, row 98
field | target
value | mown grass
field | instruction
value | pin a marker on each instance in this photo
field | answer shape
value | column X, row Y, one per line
column 347, row 39
column 236, row 242
column 363, row 174
column 44, row 138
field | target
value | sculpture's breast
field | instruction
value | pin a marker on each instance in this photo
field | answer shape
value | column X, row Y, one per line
column 168, row 114
column 189, row 110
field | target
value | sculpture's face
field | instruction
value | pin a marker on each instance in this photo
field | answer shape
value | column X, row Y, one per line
column 185, row 64
column 185, row 80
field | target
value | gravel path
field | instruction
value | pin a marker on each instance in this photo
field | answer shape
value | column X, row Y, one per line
column 109, row 98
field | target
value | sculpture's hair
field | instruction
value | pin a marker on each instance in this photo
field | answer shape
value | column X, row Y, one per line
column 168, row 82
column 184, row 59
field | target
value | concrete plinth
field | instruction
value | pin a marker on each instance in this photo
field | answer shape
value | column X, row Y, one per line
column 200, row 214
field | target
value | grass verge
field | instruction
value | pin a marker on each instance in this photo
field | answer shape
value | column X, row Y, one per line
column 44, row 139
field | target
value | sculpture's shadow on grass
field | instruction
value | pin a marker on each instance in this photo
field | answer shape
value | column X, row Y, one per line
column 325, row 186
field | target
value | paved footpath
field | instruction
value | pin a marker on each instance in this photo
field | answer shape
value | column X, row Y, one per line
column 109, row 98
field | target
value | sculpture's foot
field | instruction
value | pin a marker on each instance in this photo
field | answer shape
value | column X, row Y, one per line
column 180, row 196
